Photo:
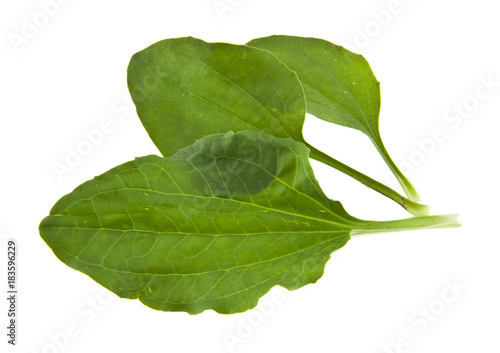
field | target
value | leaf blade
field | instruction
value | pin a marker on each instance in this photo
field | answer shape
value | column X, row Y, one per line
column 340, row 88
column 339, row 83
column 137, row 231
column 216, row 88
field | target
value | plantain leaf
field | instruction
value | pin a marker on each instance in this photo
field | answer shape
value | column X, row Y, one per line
column 185, row 89
column 215, row 226
column 339, row 85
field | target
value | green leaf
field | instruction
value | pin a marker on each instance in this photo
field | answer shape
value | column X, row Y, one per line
column 340, row 87
column 215, row 226
column 185, row 88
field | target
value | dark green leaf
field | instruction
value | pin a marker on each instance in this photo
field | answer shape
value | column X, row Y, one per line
column 185, row 89
column 215, row 226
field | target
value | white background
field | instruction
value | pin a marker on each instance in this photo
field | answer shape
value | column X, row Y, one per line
column 431, row 58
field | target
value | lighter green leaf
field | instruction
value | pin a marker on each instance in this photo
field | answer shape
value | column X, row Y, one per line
column 215, row 226
column 340, row 87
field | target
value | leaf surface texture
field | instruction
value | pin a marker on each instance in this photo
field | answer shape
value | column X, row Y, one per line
column 215, row 226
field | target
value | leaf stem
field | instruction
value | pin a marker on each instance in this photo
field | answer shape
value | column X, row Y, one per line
column 409, row 205
column 427, row 222
column 408, row 188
